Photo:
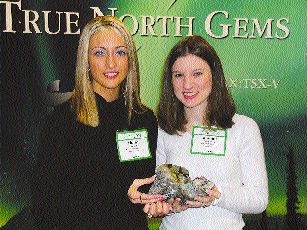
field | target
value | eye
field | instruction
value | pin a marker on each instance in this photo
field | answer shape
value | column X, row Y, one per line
column 121, row 53
column 177, row 75
column 99, row 53
column 197, row 74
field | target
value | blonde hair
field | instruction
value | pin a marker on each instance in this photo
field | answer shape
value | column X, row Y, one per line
column 83, row 100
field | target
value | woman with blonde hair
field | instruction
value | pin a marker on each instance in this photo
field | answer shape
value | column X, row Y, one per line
column 95, row 146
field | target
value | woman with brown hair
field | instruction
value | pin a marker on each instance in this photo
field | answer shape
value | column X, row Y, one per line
column 95, row 146
column 200, row 131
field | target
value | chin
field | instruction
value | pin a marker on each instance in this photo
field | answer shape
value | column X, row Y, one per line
column 189, row 105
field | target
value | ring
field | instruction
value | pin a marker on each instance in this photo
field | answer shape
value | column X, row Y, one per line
column 149, row 215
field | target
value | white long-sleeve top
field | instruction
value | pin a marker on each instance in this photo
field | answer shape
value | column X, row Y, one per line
column 240, row 176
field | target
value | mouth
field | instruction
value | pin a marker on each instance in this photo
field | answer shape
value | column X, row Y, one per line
column 111, row 74
column 189, row 95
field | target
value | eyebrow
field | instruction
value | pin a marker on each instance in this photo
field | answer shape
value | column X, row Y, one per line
column 101, row 47
column 177, row 71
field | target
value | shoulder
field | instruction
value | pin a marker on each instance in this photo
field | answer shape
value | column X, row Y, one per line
column 162, row 135
column 145, row 120
column 245, row 127
column 161, row 132
column 166, row 136
column 147, row 117
column 243, row 121
column 148, row 114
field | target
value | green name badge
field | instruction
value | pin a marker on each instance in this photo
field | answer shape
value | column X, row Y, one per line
column 208, row 141
column 132, row 145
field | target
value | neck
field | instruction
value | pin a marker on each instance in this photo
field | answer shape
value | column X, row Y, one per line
column 195, row 116
column 108, row 94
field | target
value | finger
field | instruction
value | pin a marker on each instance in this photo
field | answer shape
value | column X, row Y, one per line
column 151, row 196
column 202, row 198
column 133, row 193
column 214, row 192
column 146, row 198
column 170, row 201
column 140, row 201
column 177, row 202
column 140, row 182
column 206, row 201
column 166, row 208
column 177, row 205
column 150, row 201
column 146, row 208
column 152, row 209
column 194, row 204
column 159, row 208
column 137, row 183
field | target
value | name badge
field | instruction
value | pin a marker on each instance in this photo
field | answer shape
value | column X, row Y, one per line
column 132, row 145
column 208, row 141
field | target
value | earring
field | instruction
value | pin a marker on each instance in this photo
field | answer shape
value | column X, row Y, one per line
column 88, row 74
column 125, row 94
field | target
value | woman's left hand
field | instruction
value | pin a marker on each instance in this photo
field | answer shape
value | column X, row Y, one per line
column 205, row 201
column 138, row 197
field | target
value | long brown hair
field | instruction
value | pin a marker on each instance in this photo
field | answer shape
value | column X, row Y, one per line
column 83, row 99
column 220, row 108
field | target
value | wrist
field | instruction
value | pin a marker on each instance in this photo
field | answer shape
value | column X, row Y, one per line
column 219, row 196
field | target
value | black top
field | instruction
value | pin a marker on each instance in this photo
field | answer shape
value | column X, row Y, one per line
column 79, row 182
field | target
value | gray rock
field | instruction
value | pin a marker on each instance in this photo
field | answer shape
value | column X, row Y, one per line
column 173, row 181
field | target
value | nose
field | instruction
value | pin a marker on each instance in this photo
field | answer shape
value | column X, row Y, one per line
column 187, row 82
column 111, row 61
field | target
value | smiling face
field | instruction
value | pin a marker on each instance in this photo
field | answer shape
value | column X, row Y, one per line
column 108, row 62
column 192, row 81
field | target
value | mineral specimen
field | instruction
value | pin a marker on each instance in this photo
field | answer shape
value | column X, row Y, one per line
column 173, row 181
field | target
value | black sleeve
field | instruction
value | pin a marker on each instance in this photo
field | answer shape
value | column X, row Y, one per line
column 153, row 136
column 145, row 168
column 149, row 166
column 48, row 176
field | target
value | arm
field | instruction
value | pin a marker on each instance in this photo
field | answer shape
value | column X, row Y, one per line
column 252, row 196
column 137, row 194
column 46, row 180
column 55, row 196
